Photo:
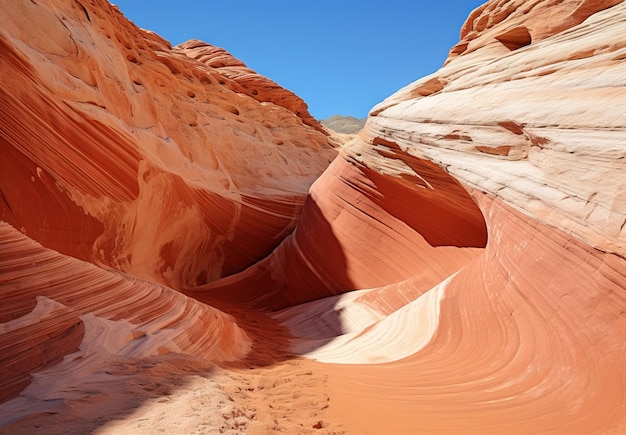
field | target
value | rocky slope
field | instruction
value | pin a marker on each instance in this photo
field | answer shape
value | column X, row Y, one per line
column 137, row 157
column 344, row 124
column 459, row 267
column 529, row 117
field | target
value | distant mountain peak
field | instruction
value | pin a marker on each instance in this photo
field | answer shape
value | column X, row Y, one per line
column 344, row 123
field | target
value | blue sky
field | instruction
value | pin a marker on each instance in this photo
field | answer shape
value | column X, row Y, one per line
column 340, row 56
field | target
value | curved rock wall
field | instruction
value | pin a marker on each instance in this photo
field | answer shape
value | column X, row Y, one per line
column 54, row 305
column 126, row 147
column 528, row 337
column 362, row 228
column 459, row 267
column 541, row 127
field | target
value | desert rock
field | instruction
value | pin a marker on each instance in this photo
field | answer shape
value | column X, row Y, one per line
column 179, row 234
column 137, row 157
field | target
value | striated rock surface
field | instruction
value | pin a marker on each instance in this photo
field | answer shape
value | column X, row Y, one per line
column 55, row 305
column 546, row 127
column 459, row 267
column 526, row 336
column 362, row 228
column 530, row 118
column 516, row 24
column 137, row 157
column 127, row 170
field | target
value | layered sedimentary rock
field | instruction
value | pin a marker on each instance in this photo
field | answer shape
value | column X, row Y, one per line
column 126, row 147
column 526, row 336
column 458, row 268
column 121, row 151
column 529, row 336
column 360, row 229
column 55, row 305
column 546, row 118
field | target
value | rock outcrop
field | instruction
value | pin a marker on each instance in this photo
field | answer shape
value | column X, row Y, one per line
column 524, row 336
column 119, row 150
column 459, row 267
column 127, row 170
column 529, row 117
column 249, row 82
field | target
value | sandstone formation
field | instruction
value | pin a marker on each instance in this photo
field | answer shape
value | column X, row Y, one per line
column 171, row 217
column 530, row 335
column 136, row 157
column 55, row 305
column 120, row 151
column 248, row 81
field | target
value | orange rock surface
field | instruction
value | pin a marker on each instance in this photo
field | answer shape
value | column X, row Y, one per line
column 178, row 253
column 248, row 81
column 138, row 157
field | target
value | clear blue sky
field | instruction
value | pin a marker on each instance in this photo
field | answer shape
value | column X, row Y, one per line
column 340, row 56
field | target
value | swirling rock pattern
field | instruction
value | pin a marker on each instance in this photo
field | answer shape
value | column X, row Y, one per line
column 52, row 302
column 530, row 335
column 139, row 149
column 459, row 267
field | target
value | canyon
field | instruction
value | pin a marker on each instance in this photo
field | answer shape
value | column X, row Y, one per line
column 184, row 248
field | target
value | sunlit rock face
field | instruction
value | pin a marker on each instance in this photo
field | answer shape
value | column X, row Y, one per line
column 459, row 267
column 528, row 114
column 121, row 150
column 128, row 170
column 540, row 126
column 247, row 81
column 55, row 305
column 366, row 226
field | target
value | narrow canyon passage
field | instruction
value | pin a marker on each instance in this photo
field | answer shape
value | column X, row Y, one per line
column 184, row 248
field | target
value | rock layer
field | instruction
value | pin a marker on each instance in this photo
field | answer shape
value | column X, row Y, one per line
column 530, row 126
column 529, row 117
column 121, row 151
column 459, row 267
column 129, row 147
column 360, row 229
column 529, row 340
column 51, row 302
